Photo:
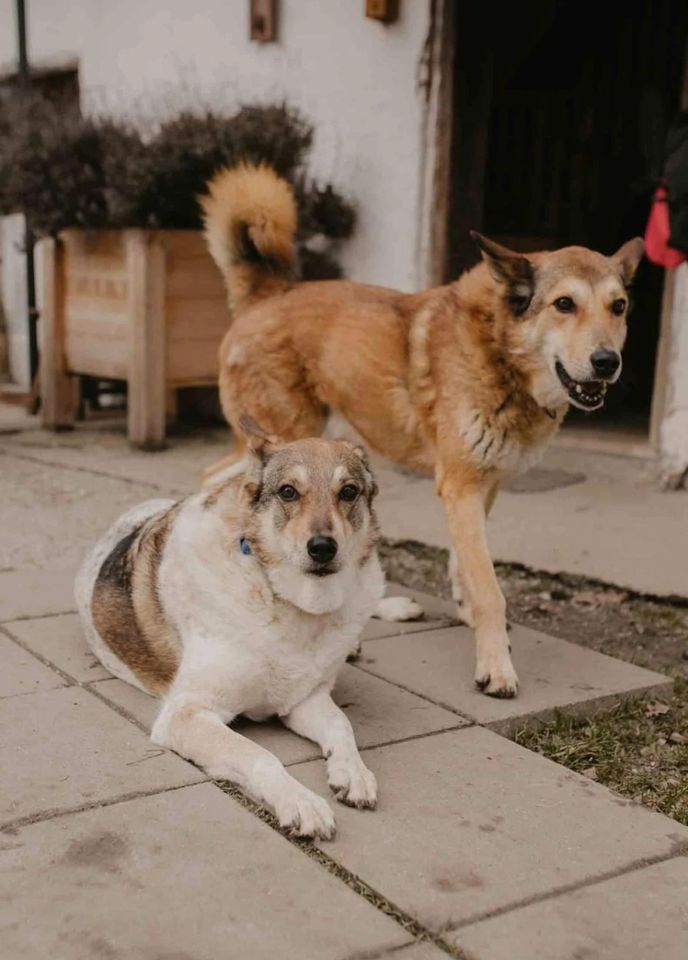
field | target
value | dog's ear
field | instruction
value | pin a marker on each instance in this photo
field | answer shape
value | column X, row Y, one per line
column 259, row 440
column 627, row 258
column 512, row 269
column 359, row 451
column 362, row 454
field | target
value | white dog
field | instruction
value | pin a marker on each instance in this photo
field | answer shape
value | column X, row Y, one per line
column 246, row 599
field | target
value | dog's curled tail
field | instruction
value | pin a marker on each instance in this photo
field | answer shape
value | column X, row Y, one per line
column 250, row 218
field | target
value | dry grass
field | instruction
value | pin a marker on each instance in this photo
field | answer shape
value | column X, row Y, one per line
column 634, row 750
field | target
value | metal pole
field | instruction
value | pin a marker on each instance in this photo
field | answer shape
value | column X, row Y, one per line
column 25, row 85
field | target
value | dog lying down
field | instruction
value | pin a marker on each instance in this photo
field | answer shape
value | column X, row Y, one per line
column 246, row 599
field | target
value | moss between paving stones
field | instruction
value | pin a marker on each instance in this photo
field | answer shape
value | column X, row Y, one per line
column 634, row 748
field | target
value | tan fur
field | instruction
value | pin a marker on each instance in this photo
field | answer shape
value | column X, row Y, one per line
column 126, row 608
column 451, row 381
column 317, row 471
column 257, row 201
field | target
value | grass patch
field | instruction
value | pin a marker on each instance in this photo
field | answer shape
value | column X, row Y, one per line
column 638, row 749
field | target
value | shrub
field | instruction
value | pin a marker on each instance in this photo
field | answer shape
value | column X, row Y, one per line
column 64, row 170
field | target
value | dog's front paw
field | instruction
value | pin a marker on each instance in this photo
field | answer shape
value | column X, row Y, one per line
column 496, row 676
column 352, row 783
column 398, row 609
column 305, row 814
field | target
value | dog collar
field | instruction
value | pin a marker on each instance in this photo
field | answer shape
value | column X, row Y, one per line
column 245, row 547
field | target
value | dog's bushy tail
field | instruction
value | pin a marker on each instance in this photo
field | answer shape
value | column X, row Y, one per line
column 250, row 220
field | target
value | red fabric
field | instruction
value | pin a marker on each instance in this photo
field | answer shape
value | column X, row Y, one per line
column 657, row 233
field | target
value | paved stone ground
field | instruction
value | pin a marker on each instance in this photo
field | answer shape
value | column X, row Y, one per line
column 112, row 848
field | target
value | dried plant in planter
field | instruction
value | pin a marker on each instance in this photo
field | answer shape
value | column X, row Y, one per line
column 65, row 170
column 53, row 165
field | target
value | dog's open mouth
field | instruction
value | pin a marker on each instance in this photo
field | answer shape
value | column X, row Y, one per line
column 586, row 394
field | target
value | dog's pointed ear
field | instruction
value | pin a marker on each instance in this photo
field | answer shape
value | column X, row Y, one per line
column 360, row 451
column 259, row 440
column 512, row 269
column 627, row 258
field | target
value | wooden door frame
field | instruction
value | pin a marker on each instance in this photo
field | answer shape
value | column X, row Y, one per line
column 436, row 81
column 660, row 391
column 443, row 214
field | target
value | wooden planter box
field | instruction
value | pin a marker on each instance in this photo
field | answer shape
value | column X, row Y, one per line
column 145, row 306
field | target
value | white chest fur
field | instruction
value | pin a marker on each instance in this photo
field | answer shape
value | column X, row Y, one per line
column 244, row 650
column 493, row 443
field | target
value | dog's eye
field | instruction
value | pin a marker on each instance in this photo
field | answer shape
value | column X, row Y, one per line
column 349, row 492
column 618, row 307
column 564, row 304
column 287, row 492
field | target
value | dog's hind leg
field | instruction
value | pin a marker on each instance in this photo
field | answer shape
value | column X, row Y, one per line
column 398, row 610
column 273, row 390
column 200, row 735
column 230, row 466
column 318, row 718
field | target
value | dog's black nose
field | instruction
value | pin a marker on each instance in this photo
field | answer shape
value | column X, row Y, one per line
column 322, row 549
column 605, row 362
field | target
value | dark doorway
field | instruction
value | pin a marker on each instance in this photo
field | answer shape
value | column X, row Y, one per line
column 560, row 112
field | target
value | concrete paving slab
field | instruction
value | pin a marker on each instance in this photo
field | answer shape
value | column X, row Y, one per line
column 60, row 640
column 51, row 515
column 137, row 704
column 21, row 673
column 638, row 915
column 379, row 712
column 555, row 675
column 14, row 418
column 62, row 749
column 37, row 593
column 468, row 823
column 438, row 613
column 103, row 448
column 186, row 875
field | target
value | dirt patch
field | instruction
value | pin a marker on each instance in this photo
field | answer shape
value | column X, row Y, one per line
column 639, row 749
column 650, row 632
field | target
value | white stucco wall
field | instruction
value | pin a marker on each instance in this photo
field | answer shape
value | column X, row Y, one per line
column 13, row 293
column 355, row 78
column 673, row 430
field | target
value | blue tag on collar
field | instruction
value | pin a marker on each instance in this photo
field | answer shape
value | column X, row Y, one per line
column 245, row 547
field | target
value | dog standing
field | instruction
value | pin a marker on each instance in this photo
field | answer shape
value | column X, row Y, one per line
column 246, row 599
column 468, row 381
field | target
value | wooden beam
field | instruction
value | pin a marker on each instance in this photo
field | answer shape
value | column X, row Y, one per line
column 146, row 403
column 60, row 391
column 385, row 10
column 263, row 17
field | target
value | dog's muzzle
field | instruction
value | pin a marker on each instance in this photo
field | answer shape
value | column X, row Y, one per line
column 322, row 550
column 585, row 394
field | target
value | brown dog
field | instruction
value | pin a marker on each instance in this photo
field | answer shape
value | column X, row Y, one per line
column 468, row 381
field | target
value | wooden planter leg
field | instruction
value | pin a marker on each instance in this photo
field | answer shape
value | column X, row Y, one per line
column 147, row 394
column 59, row 389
